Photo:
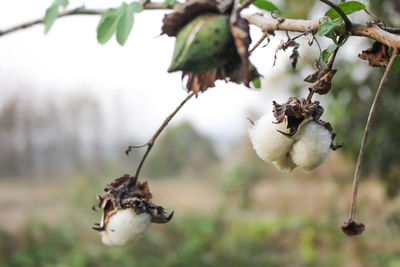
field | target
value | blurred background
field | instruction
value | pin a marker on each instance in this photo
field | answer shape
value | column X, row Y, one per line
column 69, row 107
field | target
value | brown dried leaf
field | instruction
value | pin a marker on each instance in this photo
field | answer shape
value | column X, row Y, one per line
column 199, row 82
column 313, row 77
column 324, row 83
column 244, row 71
column 377, row 55
column 174, row 22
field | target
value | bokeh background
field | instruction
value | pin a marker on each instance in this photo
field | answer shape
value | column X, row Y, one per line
column 69, row 107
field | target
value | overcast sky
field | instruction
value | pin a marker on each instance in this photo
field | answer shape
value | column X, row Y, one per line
column 133, row 77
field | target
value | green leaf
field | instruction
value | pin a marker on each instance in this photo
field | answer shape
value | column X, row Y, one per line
column 327, row 26
column 169, row 3
column 396, row 64
column 347, row 7
column 63, row 3
column 52, row 13
column 136, row 7
column 257, row 83
column 265, row 5
column 50, row 17
column 125, row 24
column 108, row 24
column 328, row 52
column 365, row 2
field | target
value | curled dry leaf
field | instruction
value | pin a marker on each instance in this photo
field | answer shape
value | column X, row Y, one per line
column 321, row 81
column 377, row 55
column 207, row 48
column 313, row 77
column 324, row 83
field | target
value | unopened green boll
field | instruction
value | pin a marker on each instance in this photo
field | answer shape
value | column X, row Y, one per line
column 203, row 44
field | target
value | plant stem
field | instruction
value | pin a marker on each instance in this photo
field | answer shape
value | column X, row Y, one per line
column 152, row 140
column 365, row 137
column 81, row 11
column 265, row 35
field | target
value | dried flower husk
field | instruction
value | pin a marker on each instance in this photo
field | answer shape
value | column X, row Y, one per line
column 131, row 203
column 298, row 138
column 221, row 51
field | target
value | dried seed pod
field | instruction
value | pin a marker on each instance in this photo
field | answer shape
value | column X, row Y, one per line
column 127, row 211
column 312, row 147
column 203, row 44
column 267, row 138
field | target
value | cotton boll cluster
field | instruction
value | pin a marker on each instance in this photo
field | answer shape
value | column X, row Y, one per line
column 125, row 226
column 307, row 148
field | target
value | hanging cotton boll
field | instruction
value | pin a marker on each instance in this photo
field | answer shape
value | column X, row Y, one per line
column 312, row 147
column 125, row 226
column 269, row 144
column 127, row 211
column 285, row 164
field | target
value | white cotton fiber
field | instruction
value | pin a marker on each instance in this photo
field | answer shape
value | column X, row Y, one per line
column 269, row 144
column 125, row 226
column 313, row 146
column 285, row 164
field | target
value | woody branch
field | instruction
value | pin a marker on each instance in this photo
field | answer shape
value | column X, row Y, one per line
column 386, row 36
column 298, row 25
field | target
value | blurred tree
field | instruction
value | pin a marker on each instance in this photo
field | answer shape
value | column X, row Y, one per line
column 181, row 149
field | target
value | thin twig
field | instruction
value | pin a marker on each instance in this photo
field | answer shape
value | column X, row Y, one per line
column 265, row 35
column 80, row 11
column 365, row 137
column 152, row 140
column 341, row 13
column 390, row 29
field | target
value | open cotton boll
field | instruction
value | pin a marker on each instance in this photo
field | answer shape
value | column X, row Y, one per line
column 285, row 164
column 269, row 144
column 313, row 146
column 125, row 226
